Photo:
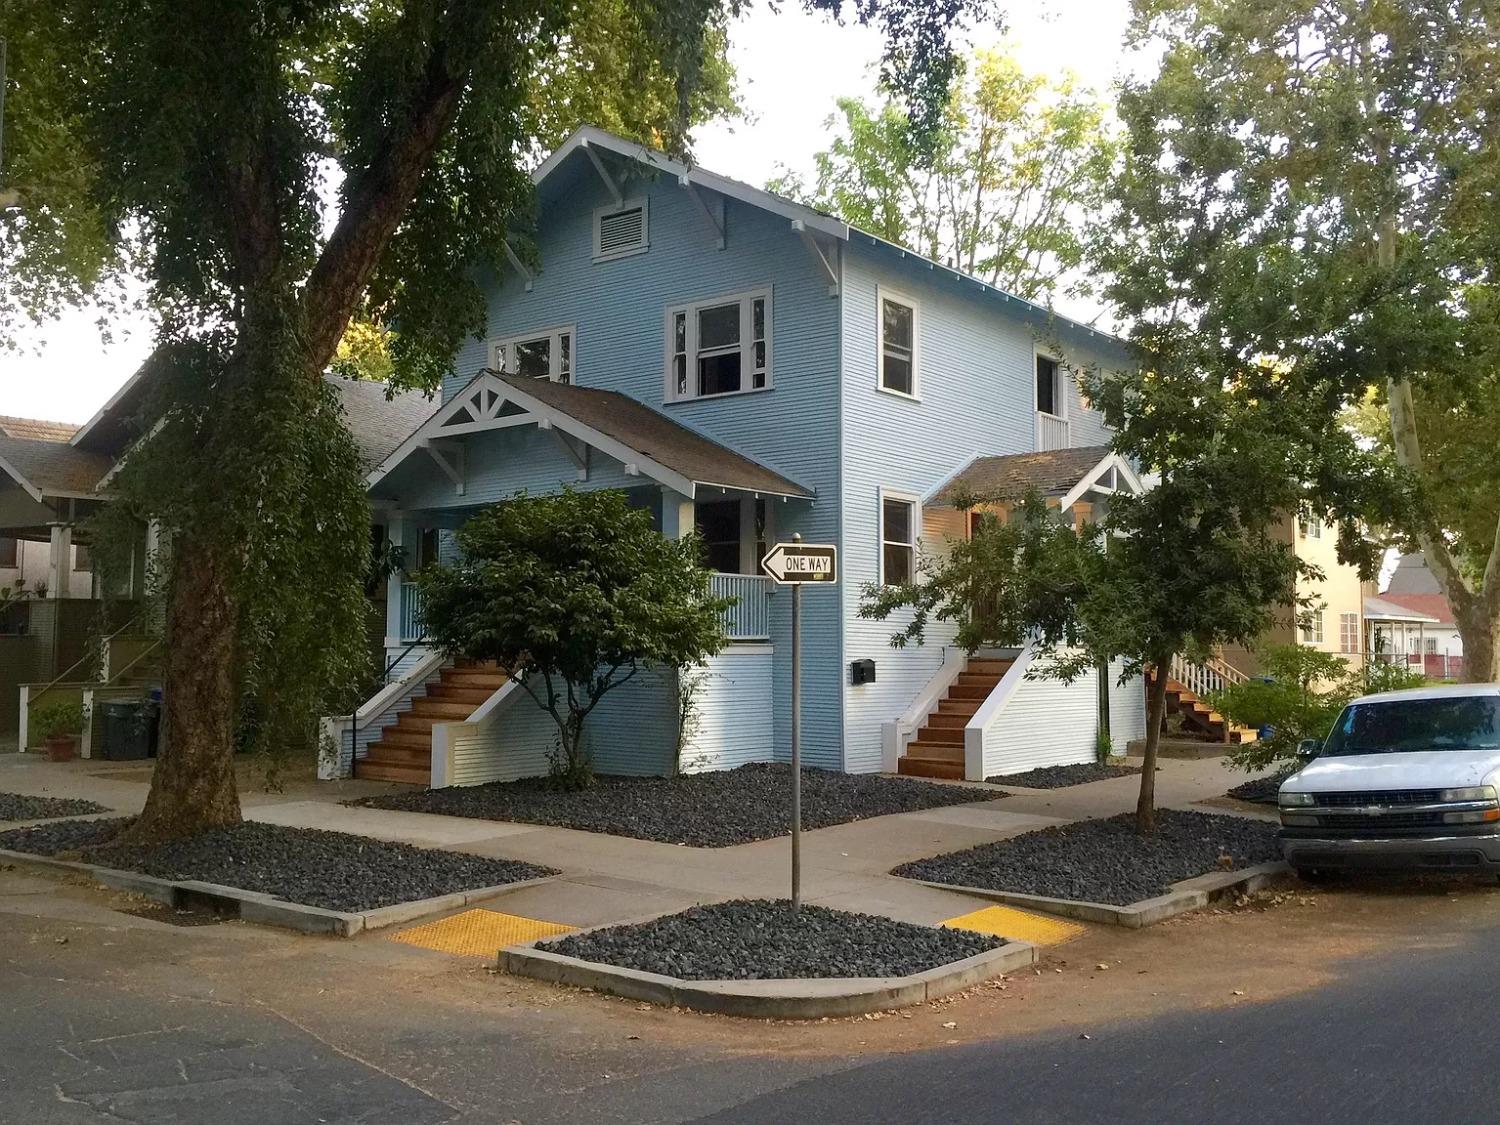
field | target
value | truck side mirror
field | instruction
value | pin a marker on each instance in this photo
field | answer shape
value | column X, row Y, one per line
column 1308, row 748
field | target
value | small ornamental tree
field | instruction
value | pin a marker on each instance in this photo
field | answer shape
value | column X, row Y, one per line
column 574, row 594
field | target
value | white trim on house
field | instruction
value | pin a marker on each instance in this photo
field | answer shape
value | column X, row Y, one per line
column 690, row 353
column 484, row 400
column 642, row 244
column 1060, row 381
column 915, row 500
column 883, row 294
column 1090, row 480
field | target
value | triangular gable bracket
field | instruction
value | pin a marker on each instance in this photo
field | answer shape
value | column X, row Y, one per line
column 1114, row 467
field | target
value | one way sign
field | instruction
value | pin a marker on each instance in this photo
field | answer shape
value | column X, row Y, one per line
column 796, row 564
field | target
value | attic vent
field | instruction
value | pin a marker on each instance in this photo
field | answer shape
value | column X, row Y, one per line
column 619, row 231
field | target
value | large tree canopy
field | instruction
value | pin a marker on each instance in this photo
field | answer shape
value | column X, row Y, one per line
column 273, row 168
column 1314, row 186
column 1003, row 190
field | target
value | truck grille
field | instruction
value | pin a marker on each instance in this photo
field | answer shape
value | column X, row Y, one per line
column 1382, row 822
column 1385, row 797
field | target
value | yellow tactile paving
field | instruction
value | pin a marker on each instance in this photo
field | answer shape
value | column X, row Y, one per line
column 478, row 933
column 1020, row 925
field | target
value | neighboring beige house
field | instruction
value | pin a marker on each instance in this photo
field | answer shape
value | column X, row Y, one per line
column 1334, row 620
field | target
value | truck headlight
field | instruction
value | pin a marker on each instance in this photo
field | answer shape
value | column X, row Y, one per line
column 1474, row 816
column 1468, row 793
column 1294, row 800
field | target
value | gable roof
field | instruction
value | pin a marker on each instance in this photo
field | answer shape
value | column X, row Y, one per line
column 377, row 421
column 806, row 220
column 1054, row 472
column 52, row 468
column 1434, row 606
column 1383, row 609
column 615, row 424
column 1413, row 576
column 35, row 429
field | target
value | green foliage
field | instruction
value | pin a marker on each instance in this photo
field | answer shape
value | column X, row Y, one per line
column 1104, row 747
column 51, row 719
column 1002, row 190
column 1312, row 186
column 1306, row 691
column 574, row 594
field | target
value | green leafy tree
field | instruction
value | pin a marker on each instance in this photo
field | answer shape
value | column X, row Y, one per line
column 272, row 169
column 1301, row 694
column 574, row 594
column 1315, row 184
column 1003, row 189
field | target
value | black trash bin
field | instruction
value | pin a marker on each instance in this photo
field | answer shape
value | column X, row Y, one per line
column 129, row 731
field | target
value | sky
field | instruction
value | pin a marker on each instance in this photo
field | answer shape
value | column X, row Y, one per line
column 792, row 66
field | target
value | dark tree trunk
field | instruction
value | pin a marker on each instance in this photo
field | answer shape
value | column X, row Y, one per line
column 1156, row 713
column 193, row 788
column 1477, row 628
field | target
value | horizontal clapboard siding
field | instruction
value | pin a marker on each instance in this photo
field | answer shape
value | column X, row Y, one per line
column 1045, row 723
column 734, row 711
column 1127, row 708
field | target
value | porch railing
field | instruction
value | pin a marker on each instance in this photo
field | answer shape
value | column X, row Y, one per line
column 412, row 626
column 1051, row 432
column 1200, row 679
column 749, row 619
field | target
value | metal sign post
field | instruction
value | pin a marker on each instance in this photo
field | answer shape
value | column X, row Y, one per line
column 797, row 564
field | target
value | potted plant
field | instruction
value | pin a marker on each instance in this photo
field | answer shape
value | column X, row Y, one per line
column 58, row 725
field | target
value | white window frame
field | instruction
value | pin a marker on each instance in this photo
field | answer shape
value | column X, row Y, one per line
column 915, row 500
column 1310, row 526
column 1060, row 384
column 554, row 361
column 644, row 203
column 1312, row 628
column 882, row 295
column 1349, row 633
column 745, row 299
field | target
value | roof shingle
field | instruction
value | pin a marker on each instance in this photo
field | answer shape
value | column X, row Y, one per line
column 1011, row 476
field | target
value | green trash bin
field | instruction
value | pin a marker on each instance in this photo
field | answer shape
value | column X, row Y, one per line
column 127, row 731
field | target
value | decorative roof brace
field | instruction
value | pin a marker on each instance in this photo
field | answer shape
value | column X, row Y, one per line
column 518, row 265
column 818, row 254
column 715, row 221
column 609, row 181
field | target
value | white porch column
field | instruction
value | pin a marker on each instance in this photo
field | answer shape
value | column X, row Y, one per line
column 60, row 561
column 676, row 514
column 396, row 534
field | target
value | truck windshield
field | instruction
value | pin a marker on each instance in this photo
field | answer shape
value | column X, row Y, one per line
column 1405, row 725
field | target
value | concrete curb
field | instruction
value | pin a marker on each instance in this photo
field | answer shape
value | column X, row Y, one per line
column 1189, row 894
column 795, row 999
column 255, row 906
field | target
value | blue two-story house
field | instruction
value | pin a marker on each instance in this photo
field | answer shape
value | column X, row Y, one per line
column 749, row 368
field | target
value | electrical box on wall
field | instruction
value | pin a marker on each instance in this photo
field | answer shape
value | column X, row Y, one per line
column 862, row 672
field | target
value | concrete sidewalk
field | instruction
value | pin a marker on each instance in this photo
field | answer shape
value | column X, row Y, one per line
column 614, row 878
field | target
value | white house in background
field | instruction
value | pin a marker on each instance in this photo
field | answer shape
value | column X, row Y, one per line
column 1428, row 634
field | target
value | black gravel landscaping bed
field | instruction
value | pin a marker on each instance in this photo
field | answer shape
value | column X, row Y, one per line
column 332, row 870
column 1261, row 790
column 761, row 939
column 703, row 810
column 1060, row 777
column 1105, row 860
column 18, row 806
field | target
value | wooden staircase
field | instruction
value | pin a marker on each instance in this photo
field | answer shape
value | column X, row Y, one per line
column 404, row 752
column 1199, row 717
column 938, row 749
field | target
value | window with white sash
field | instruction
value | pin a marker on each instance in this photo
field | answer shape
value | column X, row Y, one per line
column 536, row 355
column 719, row 347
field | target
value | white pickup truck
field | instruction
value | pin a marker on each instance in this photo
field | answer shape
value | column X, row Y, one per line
column 1406, row 779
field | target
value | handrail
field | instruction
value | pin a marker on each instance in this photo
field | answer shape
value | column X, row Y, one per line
column 145, row 652
column 354, row 715
column 63, row 678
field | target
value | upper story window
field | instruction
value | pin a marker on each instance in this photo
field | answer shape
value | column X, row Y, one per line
column 898, row 538
column 1049, row 397
column 621, row 231
column 538, row 355
column 10, row 551
column 1312, row 627
column 898, row 344
column 1311, row 526
column 1348, row 632
column 719, row 347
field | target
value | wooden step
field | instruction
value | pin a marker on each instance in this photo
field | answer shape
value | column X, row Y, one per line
column 978, row 691
column 398, row 755
column 947, row 720
column 422, row 724
column 440, row 708
column 962, row 707
column 943, row 751
column 943, row 736
column 379, row 771
column 930, row 767
column 459, row 693
column 988, row 667
column 414, row 739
